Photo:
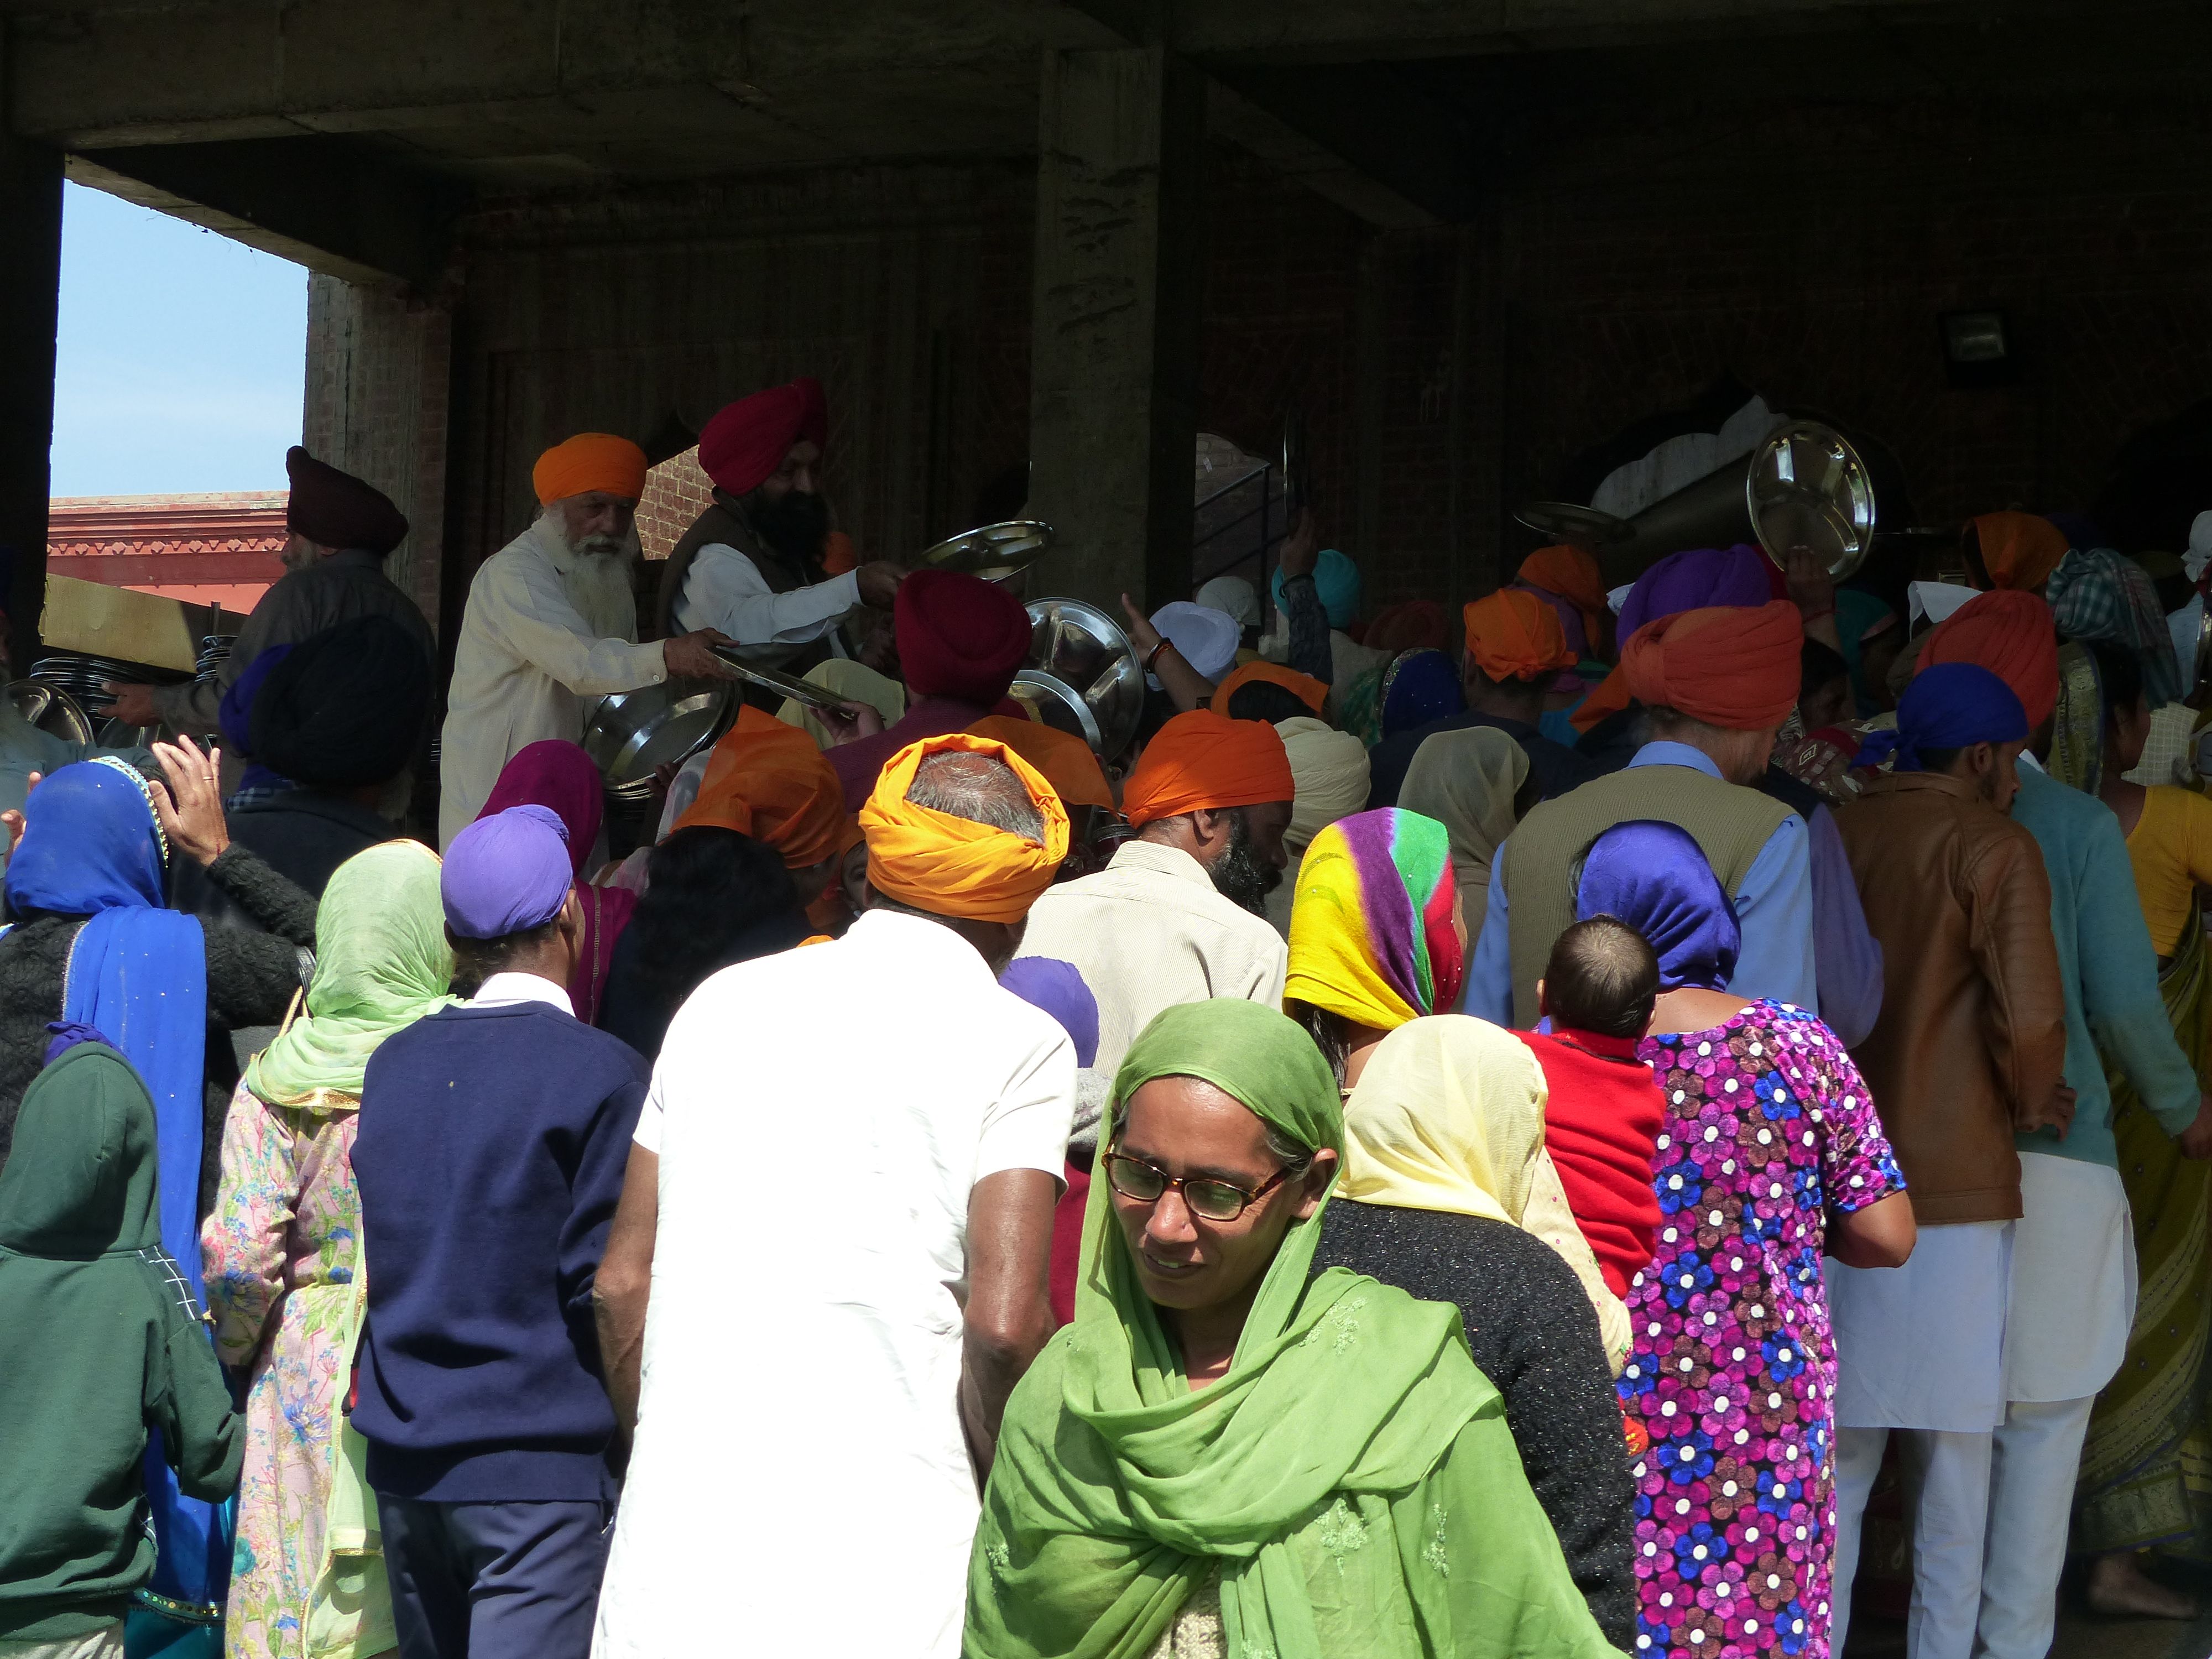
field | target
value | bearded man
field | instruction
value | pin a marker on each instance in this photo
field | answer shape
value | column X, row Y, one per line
column 551, row 622
column 751, row 563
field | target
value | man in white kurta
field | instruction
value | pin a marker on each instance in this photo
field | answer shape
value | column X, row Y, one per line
column 551, row 623
column 838, row 1145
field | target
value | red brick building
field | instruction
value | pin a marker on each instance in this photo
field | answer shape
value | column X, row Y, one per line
column 204, row 549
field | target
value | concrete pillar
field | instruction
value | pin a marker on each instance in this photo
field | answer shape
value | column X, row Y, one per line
column 1114, row 346
column 30, row 286
column 379, row 394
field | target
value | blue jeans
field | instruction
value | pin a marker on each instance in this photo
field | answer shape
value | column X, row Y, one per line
column 494, row 1581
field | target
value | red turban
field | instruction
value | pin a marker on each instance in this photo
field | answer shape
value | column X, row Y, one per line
column 336, row 509
column 588, row 462
column 2012, row 636
column 1202, row 759
column 746, row 442
column 2019, row 549
column 1734, row 667
column 958, row 635
column 1514, row 636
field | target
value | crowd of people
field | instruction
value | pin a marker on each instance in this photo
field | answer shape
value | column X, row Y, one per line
column 1433, row 1153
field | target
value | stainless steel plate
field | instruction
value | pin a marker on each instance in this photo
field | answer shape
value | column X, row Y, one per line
column 1578, row 527
column 1808, row 488
column 1056, row 703
column 632, row 733
column 1086, row 649
column 800, row 690
column 996, row 552
column 51, row 710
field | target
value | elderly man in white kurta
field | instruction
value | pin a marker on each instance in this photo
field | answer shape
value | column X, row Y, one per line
column 552, row 623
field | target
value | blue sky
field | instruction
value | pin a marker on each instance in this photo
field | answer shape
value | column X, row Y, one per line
column 181, row 356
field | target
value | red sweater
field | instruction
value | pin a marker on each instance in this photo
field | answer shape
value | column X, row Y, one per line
column 1599, row 1126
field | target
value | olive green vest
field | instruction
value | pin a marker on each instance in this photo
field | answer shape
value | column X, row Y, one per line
column 1544, row 858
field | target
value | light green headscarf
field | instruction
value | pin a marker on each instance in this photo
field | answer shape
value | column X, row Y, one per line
column 381, row 963
column 1352, row 1477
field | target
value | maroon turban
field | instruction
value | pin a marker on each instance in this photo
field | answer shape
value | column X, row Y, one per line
column 959, row 637
column 336, row 509
column 747, row 441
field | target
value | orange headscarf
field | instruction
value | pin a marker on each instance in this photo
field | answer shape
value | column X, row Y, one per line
column 1729, row 665
column 2019, row 549
column 1304, row 687
column 2012, row 636
column 956, row 867
column 838, row 555
column 1202, row 759
column 586, row 462
column 1571, row 573
column 768, row 781
column 1514, row 636
column 1065, row 759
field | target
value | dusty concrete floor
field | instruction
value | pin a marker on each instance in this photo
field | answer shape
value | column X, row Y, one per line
column 2081, row 1634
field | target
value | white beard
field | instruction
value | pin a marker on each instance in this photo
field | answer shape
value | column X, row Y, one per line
column 597, row 581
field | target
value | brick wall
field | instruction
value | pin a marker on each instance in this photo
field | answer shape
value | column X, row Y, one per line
column 676, row 493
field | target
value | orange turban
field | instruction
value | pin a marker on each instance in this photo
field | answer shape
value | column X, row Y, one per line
column 1065, row 759
column 2012, row 636
column 1729, row 665
column 768, row 781
column 1304, row 687
column 2019, row 549
column 586, row 462
column 1571, row 573
column 955, row 867
column 1202, row 759
column 1514, row 636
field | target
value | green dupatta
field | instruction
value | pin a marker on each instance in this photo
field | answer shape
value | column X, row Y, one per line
column 1352, row 1477
column 381, row 964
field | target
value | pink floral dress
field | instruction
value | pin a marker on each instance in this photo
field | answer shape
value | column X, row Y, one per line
column 1733, row 1370
column 281, row 1253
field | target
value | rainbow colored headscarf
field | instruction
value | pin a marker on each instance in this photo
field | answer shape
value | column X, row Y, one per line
column 1371, row 936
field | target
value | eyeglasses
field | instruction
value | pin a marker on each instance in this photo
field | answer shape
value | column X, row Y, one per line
column 1208, row 1199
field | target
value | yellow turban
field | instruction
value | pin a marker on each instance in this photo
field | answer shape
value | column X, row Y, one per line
column 955, row 867
column 586, row 462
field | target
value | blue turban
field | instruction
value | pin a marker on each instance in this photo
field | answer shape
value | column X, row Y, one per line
column 1949, row 705
column 507, row 873
column 1336, row 581
column 1059, row 989
column 1654, row 877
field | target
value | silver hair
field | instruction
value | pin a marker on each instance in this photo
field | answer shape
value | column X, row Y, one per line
column 981, row 788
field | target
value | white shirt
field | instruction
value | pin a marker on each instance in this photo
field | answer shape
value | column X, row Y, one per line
column 511, row 989
column 525, row 664
column 725, row 589
column 1150, row 930
column 821, row 1116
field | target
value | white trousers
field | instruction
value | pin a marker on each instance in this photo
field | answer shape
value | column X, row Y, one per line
column 1989, row 1514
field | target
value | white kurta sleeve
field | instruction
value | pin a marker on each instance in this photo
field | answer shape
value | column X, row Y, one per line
column 530, row 615
column 725, row 589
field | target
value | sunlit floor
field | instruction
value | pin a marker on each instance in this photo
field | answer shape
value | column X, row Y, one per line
column 2081, row 1634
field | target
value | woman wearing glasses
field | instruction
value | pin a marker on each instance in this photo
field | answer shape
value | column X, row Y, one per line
column 1227, row 1453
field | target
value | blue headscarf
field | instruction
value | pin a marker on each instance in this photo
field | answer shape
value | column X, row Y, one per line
column 137, row 972
column 1420, row 686
column 1949, row 705
column 1336, row 580
column 1655, row 878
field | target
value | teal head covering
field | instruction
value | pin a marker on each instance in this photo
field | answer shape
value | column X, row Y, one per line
column 1336, row 583
column 1859, row 615
column 1333, row 1478
column 381, row 963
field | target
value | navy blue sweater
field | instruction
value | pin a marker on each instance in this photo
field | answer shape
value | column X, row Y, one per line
column 491, row 1156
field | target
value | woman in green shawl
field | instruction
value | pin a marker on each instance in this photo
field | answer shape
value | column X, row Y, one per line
column 1226, row 1453
column 281, row 1252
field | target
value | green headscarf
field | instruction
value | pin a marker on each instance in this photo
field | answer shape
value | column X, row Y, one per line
column 381, row 963
column 1352, row 1477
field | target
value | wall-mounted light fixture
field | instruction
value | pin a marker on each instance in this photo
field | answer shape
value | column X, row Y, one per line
column 1978, row 349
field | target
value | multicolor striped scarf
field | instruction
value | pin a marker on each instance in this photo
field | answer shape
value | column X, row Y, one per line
column 1371, row 934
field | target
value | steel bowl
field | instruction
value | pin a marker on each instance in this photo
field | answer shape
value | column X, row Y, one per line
column 51, row 710
column 1808, row 488
column 996, row 552
column 1083, row 648
column 631, row 734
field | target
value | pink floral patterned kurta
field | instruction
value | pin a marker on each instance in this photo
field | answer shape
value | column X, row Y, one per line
column 281, row 1253
column 1733, row 1373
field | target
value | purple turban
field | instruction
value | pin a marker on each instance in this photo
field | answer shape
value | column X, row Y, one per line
column 1058, row 988
column 507, row 873
column 1697, row 578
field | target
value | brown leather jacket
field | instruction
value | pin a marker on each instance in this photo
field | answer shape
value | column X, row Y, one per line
column 1971, row 1045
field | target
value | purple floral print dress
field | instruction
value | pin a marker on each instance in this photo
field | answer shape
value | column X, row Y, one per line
column 1732, row 1375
